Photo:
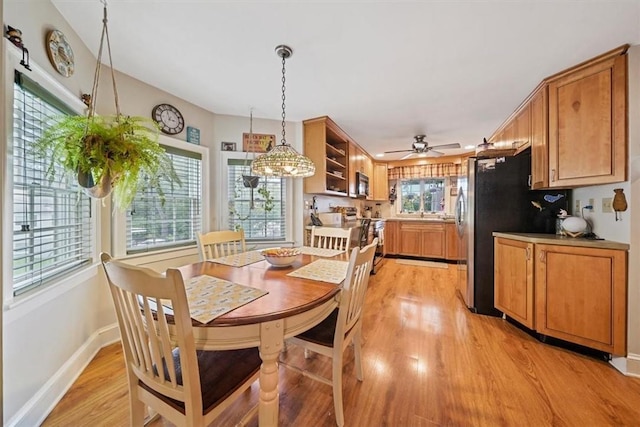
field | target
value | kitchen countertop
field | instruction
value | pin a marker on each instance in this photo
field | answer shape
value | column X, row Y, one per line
column 346, row 225
column 554, row 239
column 417, row 218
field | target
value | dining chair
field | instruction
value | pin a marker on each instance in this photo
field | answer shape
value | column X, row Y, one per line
column 330, row 238
column 216, row 244
column 363, row 236
column 188, row 387
column 342, row 327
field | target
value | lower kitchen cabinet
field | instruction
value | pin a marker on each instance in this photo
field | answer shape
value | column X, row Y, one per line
column 422, row 239
column 567, row 289
column 513, row 278
column 452, row 238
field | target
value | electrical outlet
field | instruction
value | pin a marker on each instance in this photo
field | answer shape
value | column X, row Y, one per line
column 606, row 205
column 577, row 207
column 592, row 203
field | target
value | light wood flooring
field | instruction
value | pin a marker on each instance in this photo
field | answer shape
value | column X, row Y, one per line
column 427, row 361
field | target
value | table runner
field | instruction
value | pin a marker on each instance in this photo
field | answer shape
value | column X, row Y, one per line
column 324, row 270
column 310, row 250
column 239, row 260
column 210, row 297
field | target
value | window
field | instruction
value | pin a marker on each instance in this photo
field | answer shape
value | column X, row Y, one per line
column 422, row 195
column 152, row 225
column 51, row 220
column 261, row 212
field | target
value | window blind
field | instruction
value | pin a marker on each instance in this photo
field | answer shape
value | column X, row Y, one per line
column 51, row 219
column 152, row 225
column 267, row 220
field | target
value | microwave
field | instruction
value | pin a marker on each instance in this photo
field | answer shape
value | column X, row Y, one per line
column 362, row 185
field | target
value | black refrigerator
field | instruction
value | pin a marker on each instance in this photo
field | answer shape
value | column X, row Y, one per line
column 497, row 198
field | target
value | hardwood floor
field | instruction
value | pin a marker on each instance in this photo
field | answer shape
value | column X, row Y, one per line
column 427, row 361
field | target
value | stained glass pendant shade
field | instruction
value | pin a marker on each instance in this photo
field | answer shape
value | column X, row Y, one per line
column 283, row 160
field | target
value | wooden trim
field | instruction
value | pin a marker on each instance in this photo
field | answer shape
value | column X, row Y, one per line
column 612, row 54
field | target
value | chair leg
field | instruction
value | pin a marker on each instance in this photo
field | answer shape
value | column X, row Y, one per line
column 307, row 353
column 357, row 353
column 337, row 388
column 138, row 410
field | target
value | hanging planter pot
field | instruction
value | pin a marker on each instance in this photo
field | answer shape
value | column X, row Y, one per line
column 98, row 190
column 250, row 181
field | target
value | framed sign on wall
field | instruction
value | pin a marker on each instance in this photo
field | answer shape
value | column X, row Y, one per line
column 258, row 142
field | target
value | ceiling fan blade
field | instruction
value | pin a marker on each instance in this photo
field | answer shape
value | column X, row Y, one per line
column 406, row 156
column 434, row 153
column 397, row 151
column 445, row 146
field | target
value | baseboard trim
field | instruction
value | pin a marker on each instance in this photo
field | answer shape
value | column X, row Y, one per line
column 37, row 408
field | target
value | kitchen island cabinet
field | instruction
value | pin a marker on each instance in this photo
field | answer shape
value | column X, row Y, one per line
column 579, row 287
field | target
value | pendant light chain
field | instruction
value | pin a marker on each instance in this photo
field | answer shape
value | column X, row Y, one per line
column 284, row 140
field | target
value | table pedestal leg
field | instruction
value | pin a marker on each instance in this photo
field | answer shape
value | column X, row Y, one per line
column 271, row 340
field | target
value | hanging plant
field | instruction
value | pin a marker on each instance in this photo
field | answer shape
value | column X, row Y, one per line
column 107, row 153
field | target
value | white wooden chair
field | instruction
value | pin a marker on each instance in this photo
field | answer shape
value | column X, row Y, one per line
column 330, row 238
column 188, row 387
column 342, row 327
column 216, row 244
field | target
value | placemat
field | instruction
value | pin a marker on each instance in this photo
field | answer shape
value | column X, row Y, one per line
column 210, row 297
column 239, row 260
column 310, row 250
column 324, row 270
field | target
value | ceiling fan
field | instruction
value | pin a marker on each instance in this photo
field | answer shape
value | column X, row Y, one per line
column 420, row 146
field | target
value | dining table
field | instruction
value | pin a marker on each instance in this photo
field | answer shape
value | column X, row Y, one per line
column 290, row 306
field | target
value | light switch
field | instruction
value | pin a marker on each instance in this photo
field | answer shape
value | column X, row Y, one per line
column 606, row 205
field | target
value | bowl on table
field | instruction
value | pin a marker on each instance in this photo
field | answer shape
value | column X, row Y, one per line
column 281, row 257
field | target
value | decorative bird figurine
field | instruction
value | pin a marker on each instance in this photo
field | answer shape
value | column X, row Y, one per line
column 537, row 205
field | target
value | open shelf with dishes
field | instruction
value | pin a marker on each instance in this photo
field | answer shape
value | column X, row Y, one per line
column 327, row 146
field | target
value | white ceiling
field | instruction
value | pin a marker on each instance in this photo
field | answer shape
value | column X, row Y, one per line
column 383, row 70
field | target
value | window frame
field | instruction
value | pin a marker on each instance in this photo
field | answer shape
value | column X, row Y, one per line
column 119, row 228
column 12, row 63
column 423, row 189
column 223, row 212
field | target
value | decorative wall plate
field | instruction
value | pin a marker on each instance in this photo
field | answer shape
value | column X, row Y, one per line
column 60, row 53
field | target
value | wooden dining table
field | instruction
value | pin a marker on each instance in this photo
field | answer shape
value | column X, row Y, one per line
column 291, row 306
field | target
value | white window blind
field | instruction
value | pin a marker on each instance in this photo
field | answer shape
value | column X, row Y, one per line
column 152, row 225
column 266, row 220
column 51, row 220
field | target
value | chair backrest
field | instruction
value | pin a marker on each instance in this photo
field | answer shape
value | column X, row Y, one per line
column 354, row 289
column 364, row 232
column 216, row 244
column 140, row 295
column 330, row 238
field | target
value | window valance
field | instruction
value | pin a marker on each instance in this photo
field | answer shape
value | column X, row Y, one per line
column 428, row 171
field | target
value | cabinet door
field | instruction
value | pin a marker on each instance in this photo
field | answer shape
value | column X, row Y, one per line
column 410, row 240
column 451, row 237
column 354, row 165
column 587, row 124
column 539, row 145
column 380, row 182
column 391, row 237
column 581, row 296
column 513, row 280
column 433, row 241
column 522, row 123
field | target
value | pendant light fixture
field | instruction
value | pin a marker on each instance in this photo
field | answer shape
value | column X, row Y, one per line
column 283, row 160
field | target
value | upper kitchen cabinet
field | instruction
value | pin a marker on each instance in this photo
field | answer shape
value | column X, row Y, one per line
column 328, row 147
column 359, row 161
column 539, row 141
column 588, row 122
column 380, row 181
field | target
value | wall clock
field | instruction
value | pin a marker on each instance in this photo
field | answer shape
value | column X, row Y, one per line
column 60, row 53
column 169, row 118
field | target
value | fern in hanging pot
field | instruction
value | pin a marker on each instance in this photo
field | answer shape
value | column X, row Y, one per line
column 107, row 153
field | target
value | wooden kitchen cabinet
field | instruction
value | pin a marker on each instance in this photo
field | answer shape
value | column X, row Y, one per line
column 571, row 289
column 359, row 161
column 380, row 182
column 588, row 122
column 451, row 236
column 522, row 128
column 327, row 147
column 422, row 239
column 539, row 140
column 581, row 296
column 513, row 280
column 391, row 237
